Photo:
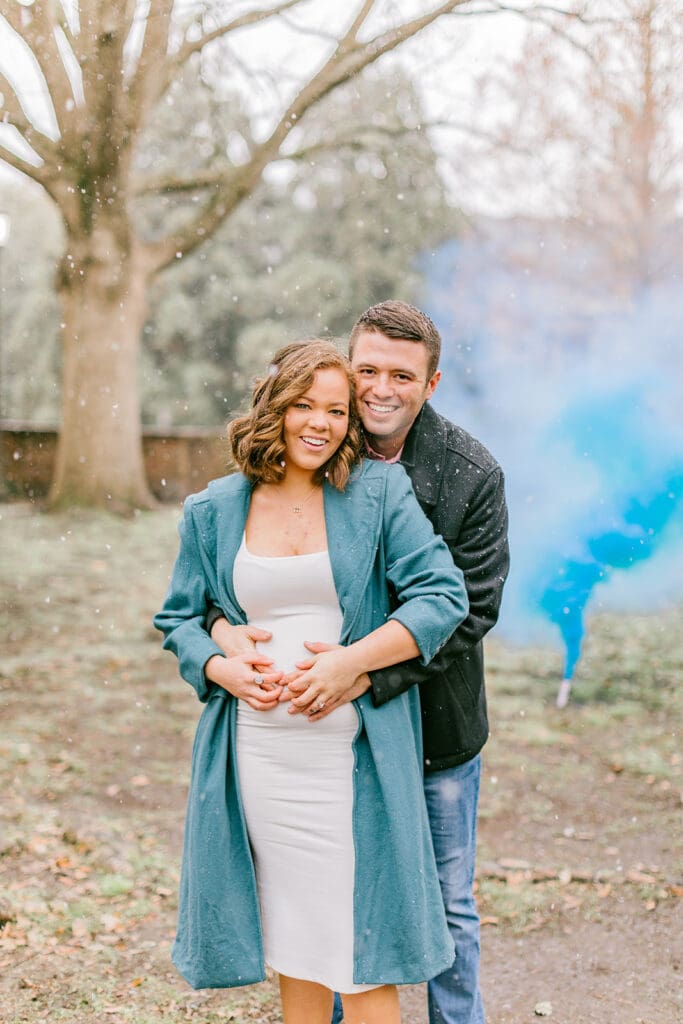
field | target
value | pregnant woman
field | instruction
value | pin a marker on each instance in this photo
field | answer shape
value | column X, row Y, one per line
column 306, row 845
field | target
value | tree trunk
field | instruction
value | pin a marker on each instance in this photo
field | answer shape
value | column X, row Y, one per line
column 102, row 288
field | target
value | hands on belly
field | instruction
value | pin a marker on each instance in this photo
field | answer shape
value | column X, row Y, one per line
column 315, row 688
column 323, row 682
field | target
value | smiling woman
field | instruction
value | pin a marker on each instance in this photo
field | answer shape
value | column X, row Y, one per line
column 301, row 846
column 316, row 425
column 258, row 440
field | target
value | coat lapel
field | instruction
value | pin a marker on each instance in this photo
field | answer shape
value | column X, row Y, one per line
column 428, row 434
column 352, row 521
column 230, row 518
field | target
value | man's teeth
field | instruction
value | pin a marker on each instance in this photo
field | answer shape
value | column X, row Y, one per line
column 317, row 441
column 380, row 408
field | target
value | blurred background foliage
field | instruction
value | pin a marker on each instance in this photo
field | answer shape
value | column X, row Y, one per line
column 320, row 240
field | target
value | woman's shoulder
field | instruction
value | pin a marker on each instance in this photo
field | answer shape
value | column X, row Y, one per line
column 217, row 491
column 376, row 469
column 372, row 477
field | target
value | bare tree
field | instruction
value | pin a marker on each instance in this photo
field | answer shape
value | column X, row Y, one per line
column 583, row 134
column 105, row 67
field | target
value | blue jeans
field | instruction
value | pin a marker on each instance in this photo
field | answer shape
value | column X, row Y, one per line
column 452, row 797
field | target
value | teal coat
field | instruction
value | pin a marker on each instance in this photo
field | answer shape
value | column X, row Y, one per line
column 376, row 532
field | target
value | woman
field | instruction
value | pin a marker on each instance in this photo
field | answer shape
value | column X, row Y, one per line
column 307, row 846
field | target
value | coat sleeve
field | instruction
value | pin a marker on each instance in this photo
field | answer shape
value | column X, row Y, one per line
column 481, row 550
column 182, row 617
column 430, row 589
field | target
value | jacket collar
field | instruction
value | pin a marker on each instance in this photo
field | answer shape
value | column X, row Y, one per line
column 423, row 454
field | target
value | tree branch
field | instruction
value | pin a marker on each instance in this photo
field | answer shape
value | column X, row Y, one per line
column 344, row 63
column 168, row 184
column 175, row 62
column 348, row 59
column 13, row 113
column 144, row 89
column 43, row 177
column 361, row 139
column 11, row 11
column 358, row 21
column 19, row 163
column 184, row 241
column 39, row 35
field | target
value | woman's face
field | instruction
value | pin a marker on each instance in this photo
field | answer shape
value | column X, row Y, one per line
column 316, row 424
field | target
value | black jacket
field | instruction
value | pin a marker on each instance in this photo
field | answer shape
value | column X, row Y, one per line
column 460, row 486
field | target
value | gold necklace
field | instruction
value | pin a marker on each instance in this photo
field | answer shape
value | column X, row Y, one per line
column 299, row 507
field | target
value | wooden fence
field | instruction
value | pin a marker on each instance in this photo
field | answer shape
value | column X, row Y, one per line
column 178, row 461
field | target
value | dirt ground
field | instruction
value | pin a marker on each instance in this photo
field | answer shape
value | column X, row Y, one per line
column 580, row 871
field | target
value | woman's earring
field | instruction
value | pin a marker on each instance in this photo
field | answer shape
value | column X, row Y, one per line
column 327, row 474
column 283, row 463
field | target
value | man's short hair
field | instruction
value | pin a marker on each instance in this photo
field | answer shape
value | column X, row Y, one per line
column 400, row 320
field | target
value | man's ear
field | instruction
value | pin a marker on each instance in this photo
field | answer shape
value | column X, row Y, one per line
column 432, row 383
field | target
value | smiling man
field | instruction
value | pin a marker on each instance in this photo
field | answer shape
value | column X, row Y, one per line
column 394, row 350
column 394, row 377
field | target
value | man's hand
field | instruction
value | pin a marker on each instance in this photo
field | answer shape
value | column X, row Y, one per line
column 237, row 639
column 322, row 683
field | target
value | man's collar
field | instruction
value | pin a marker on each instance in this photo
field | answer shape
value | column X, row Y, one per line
column 378, row 457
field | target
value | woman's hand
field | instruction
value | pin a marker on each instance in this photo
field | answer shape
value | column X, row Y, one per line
column 324, row 681
column 247, row 676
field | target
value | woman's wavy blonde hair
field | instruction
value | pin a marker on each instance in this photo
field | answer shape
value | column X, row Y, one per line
column 257, row 439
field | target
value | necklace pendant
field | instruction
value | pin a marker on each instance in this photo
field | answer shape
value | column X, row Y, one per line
column 297, row 510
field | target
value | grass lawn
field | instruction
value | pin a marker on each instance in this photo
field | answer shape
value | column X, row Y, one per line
column 580, row 851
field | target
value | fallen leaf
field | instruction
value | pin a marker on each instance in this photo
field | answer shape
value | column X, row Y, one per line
column 544, row 1009
column 640, row 878
column 111, row 922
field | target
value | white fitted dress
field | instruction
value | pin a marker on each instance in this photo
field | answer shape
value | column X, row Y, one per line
column 296, row 780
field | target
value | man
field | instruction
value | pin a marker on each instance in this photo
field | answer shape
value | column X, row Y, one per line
column 394, row 350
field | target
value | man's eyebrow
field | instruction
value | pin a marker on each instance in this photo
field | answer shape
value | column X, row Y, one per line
column 394, row 369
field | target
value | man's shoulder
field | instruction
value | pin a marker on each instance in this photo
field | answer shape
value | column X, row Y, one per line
column 457, row 442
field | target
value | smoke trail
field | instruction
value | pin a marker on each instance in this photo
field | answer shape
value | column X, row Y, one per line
column 583, row 411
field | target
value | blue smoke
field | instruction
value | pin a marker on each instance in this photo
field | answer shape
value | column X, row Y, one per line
column 584, row 413
column 633, row 538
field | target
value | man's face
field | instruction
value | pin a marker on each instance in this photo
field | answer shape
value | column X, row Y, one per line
column 391, row 387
